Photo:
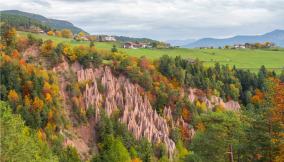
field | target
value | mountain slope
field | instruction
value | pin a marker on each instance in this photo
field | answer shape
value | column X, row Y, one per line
column 132, row 39
column 276, row 36
column 180, row 42
column 53, row 23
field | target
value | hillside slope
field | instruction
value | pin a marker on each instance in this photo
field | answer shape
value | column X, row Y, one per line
column 83, row 103
column 53, row 23
column 276, row 36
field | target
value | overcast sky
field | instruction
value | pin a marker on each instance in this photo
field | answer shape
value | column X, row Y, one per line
column 161, row 19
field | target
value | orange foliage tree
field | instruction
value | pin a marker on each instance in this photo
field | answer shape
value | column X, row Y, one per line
column 258, row 97
column 51, row 33
column 186, row 114
column 58, row 33
column 13, row 96
column 38, row 104
column 47, row 47
column 277, row 118
column 66, row 33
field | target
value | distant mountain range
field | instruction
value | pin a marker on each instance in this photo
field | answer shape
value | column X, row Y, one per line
column 180, row 42
column 53, row 23
column 276, row 36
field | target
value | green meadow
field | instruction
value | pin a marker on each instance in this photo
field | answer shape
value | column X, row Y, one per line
column 242, row 58
column 72, row 42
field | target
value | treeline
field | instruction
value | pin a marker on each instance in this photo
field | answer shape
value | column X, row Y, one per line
column 33, row 93
column 130, row 39
column 22, row 22
column 219, row 80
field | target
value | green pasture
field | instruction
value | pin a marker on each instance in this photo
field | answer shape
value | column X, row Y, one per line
column 242, row 58
column 106, row 45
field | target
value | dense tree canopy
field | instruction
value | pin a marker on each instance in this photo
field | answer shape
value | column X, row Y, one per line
column 18, row 142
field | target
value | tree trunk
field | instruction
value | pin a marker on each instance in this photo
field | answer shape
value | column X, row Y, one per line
column 231, row 155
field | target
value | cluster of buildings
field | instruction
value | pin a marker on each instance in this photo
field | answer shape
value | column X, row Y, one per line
column 134, row 45
column 105, row 38
column 98, row 38
column 245, row 46
column 33, row 29
column 254, row 45
column 239, row 46
column 109, row 38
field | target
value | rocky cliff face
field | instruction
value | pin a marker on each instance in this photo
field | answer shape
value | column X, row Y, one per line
column 194, row 94
column 120, row 94
column 104, row 91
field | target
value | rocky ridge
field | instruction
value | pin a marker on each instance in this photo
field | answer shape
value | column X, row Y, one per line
column 120, row 94
column 213, row 101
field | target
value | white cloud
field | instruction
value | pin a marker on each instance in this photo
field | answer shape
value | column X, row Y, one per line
column 161, row 19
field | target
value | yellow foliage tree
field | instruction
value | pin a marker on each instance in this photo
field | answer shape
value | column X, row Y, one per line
column 48, row 97
column 69, row 52
column 27, row 100
column 38, row 104
column 66, row 33
column 6, row 58
column 51, row 33
column 50, row 115
column 200, row 126
column 10, row 36
column 13, row 96
column 46, row 88
column 55, row 89
column 81, row 34
column 219, row 108
column 41, row 135
column 47, row 47
column 185, row 114
column 58, row 33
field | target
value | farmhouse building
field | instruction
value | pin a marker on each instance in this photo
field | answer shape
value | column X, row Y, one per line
column 134, row 45
column 106, row 38
column 239, row 46
column 36, row 29
column 130, row 45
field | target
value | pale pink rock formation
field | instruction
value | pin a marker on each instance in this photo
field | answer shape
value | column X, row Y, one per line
column 168, row 113
column 232, row 105
column 137, row 112
column 190, row 131
column 213, row 101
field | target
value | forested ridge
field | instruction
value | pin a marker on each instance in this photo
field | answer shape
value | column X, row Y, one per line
column 25, row 20
column 36, row 117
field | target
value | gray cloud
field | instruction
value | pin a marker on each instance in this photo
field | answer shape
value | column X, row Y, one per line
column 41, row 2
column 162, row 19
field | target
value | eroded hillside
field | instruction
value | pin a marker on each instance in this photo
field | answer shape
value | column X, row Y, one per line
column 84, row 104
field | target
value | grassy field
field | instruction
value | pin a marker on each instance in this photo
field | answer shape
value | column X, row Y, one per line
column 242, row 58
column 72, row 42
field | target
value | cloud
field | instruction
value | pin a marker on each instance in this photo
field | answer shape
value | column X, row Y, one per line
column 41, row 2
column 162, row 19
